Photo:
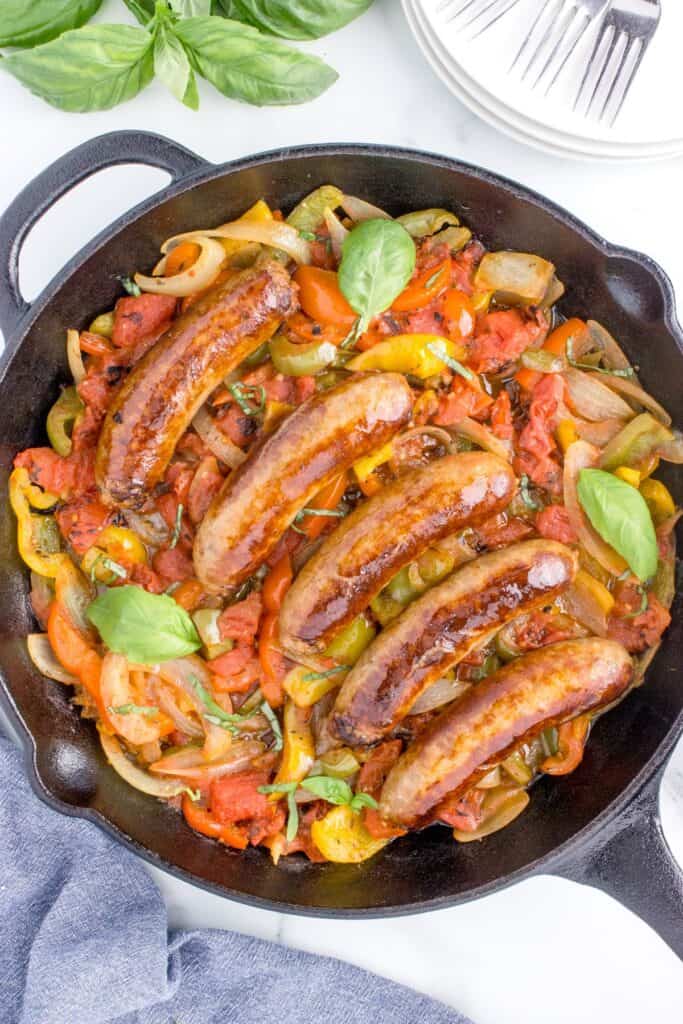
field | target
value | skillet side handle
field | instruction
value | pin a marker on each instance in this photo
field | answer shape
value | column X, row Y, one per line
column 127, row 147
column 630, row 860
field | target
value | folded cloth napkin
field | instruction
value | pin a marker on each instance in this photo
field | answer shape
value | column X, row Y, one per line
column 84, row 940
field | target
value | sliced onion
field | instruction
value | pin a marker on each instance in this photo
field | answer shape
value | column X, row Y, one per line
column 116, row 689
column 482, row 436
column 169, row 706
column 268, row 232
column 75, row 356
column 190, row 764
column 672, row 451
column 222, row 447
column 150, row 527
column 200, row 275
column 338, row 233
column 45, row 660
column 598, row 433
column 615, row 357
column 594, row 400
column 183, row 673
column 581, row 455
column 135, row 776
column 358, row 210
column 443, row 691
column 582, row 605
column 627, row 387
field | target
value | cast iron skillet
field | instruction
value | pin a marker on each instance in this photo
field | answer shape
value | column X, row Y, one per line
column 599, row 825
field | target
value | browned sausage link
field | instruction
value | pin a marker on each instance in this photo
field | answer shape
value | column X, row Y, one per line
column 441, row 628
column 158, row 400
column 530, row 694
column 384, row 534
column 322, row 438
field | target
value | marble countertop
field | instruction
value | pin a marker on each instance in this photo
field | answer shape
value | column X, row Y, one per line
column 544, row 950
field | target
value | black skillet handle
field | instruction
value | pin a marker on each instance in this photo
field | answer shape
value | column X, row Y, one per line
column 630, row 860
column 128, row 147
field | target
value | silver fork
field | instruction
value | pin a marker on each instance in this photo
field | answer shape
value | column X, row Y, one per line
column 469, row 12
column 618, row 51
column 554, row 36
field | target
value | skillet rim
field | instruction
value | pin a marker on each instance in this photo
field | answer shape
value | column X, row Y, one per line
column 566, row 851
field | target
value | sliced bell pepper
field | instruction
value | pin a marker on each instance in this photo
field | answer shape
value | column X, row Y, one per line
column 298, row 751
column 422, row 289
column 32, row 530
column 303, row 360
column 571, row 742
column 321, row 297
column 61, row 419
column 556, row 342
column 326, row 499
column 417, row 354
column 347, row 646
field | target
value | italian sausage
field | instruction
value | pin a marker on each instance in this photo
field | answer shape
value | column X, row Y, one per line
column 156, row 403
column 384, row 534
column 440, row 628
column 535, row 691
column 321, row 439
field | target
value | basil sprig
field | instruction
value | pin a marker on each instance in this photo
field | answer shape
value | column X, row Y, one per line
column 147, row 628
column 378, row 260
column 295, row 19
column 28, row 24
column 334, row 791
column 620, row 515
column 94, row 67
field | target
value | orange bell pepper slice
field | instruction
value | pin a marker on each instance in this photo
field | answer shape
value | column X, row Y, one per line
column 426, row 286
column 571, row 740
column 321, row 297
column 180, row 258
column 201, row 820
column 328, row 498
column 555, row 342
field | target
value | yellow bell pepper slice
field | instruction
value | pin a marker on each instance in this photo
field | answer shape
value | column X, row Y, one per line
column 369, row 463
column 566, row 434
column 342, row 837
column 32, row 530
column 658, row 499
column 306, row 687
column 594, row 588
column 422, row 355
column 260, row 211
column 628, row 475
column 298, row 750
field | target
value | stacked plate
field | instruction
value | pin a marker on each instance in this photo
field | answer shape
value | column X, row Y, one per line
column 477, row 69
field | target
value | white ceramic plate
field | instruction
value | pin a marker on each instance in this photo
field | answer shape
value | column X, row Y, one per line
column 510, row 121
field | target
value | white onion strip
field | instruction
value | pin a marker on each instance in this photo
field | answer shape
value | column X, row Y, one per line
column 197, row 277
column 45, row 660
column 213, row 437
column 268, row 232
column 581, row 455
column 75, row 356
column 443, row 691
column 482, row 436
column 594, row 400
column 239, row 757
column 358, row 210
column 627, row 387
column 136, row 776
column 338, row 232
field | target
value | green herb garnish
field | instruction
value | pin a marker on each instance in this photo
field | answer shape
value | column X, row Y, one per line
column 177, row 526
column 130, row 286
column 245, row 394
column 312, row 676
column 134, row 709
column 453, row 364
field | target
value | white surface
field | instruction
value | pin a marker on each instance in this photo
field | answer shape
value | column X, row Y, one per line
column 547, row 950
column 487, row 59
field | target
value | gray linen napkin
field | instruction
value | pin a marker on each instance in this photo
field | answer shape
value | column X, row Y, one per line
column 84, row 940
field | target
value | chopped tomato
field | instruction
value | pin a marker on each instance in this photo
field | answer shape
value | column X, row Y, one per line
column 464, row 266
column 463, row 812
column 81, row 521
column 179, row 476
column 306, row 329
column 634, row 629
column 501, row 417
column 144, row 576
column 137, row 316
column 459, row 313
column 240, row 621
column 236, row 797
column 189, row 594
column 429, row 320
column 206, row 483
column 464, row 399
column 543, row 628
column 236, row 425
column 173, row 564
column 501, row 530
column 51, row 471
column 424, row 287
column 321, row 297
column 304, row 387
column 167, row 505
column 553, row 523
column 501, row 337
column 202, row 820
column 191, row 445
column 371, row 779
column 537, row 455
column 268, row 824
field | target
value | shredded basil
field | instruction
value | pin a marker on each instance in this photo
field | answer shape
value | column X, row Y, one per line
column 133, row 709
column 628, row 371
column 108, row 563
column 130, row 286
column 244, row 394
column 312, row 676
column 525, row 493
column 274, row 724
column 177, row 526
column 453, row 364
column 434, row 278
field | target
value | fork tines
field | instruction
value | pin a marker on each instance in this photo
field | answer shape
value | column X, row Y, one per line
column 471, row 12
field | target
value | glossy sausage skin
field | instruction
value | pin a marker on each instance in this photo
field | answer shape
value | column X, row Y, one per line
column 155, row 405
column 532, row 693
column 321, row 439
column 441, row 628
column 383, row 534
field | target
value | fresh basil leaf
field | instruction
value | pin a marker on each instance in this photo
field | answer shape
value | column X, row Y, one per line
column 243, row 64
column 29, row 24
column 619, row 514
column 292, row 818
column 362, row 800
column 274, row 723
column 172, row 66
column 298, row 19
column 91, row 68
column 378, row 260
column 191, row 8
column 147, row 628
column 142, row 9
column 335, row 791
